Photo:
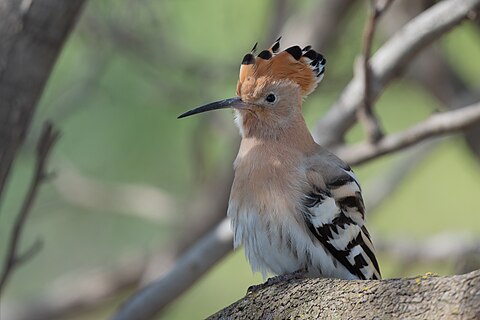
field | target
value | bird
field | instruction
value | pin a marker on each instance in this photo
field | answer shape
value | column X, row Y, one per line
column 294, row 205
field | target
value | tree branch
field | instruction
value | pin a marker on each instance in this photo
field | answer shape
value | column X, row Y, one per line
column 14, row 258
column 32, row 34
column 389, row 61
column 436, row 125
column 188, row 269
column 424, row 297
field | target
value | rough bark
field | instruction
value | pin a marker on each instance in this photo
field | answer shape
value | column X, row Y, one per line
column 32, row 33
column 424, row 297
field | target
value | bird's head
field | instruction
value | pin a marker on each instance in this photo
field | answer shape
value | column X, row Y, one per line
column 271, row 87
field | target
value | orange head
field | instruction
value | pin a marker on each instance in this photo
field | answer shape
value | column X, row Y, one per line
column 271, row 87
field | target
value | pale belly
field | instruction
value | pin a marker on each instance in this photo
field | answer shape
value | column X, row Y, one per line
column 281, row 245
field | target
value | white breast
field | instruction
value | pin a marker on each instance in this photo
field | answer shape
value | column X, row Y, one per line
column 279, row 244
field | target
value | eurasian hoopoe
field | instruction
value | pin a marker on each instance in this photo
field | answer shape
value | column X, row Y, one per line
column 293, row 205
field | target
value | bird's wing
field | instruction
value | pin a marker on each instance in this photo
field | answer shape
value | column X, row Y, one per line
column 334, row 213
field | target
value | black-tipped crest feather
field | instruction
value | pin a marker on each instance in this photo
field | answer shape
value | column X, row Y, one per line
column 276, row 45
column 295, row 52
column 265, row 55
column 254, row 48
column 310, row 54
column 248, row 59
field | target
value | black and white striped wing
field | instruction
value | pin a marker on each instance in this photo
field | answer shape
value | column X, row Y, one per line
column 335, row 216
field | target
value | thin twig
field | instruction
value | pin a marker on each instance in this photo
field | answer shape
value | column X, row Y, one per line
column 365, row 113
column 435, row 125
column 14, row 258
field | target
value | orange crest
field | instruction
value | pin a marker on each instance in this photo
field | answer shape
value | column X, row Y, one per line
column 304, row 67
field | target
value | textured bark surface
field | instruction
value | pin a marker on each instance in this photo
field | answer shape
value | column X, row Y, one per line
column 32, row 33
column 424, row 297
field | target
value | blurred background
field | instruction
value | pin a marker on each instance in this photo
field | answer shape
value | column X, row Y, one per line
column 134, row 186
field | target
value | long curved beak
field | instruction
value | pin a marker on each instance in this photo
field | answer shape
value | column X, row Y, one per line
column 235, row 103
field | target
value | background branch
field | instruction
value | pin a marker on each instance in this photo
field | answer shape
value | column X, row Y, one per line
column 14, row 258
column 437, row 124
column 389, row 61
column 444, row 247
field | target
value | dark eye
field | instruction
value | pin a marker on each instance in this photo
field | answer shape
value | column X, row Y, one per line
column 270, row 98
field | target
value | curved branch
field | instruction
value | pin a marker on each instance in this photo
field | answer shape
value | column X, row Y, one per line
column 188, row 269
column 436, row 125
column 424, row 297
column 390, row 60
